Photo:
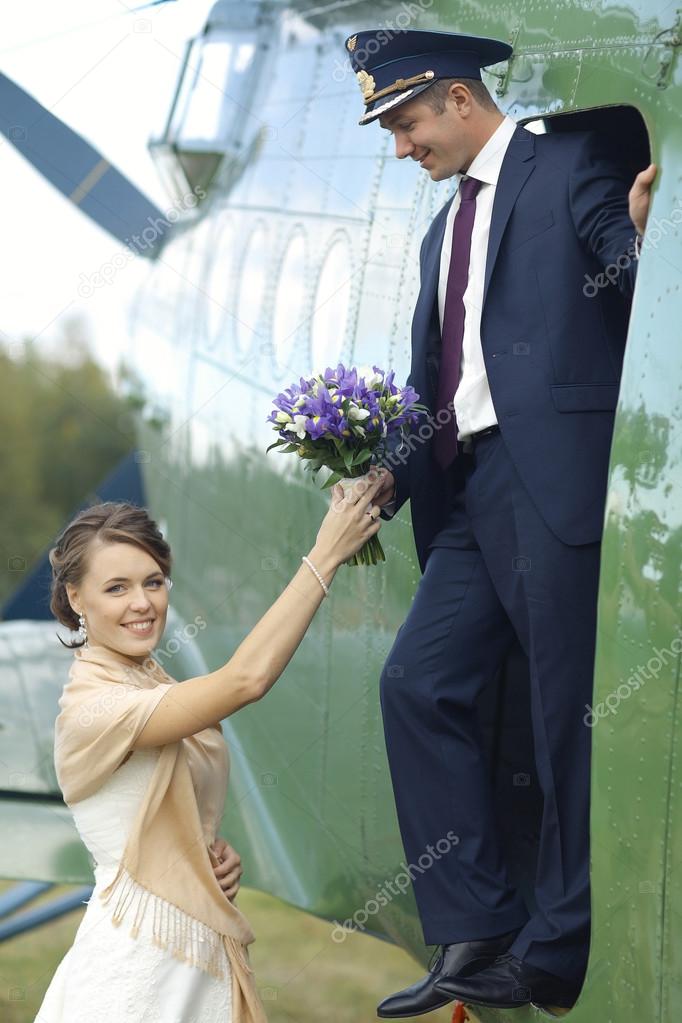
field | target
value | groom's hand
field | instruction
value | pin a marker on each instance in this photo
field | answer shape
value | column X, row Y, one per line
column 229, row 870
column 387, row 489
column 639, row 197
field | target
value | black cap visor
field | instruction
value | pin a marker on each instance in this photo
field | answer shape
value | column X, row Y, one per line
column 387, row 103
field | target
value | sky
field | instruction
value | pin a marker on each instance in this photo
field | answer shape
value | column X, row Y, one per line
column 107, row 69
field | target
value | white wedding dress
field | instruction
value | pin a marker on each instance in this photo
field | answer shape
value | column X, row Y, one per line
column 107, row 976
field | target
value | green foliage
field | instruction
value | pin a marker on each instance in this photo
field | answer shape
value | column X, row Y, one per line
column 63, row 427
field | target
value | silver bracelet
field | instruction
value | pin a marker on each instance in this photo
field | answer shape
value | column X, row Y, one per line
column 638, row 244
column 313, row 569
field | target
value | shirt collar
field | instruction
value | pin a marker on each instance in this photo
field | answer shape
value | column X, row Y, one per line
column 487, row 163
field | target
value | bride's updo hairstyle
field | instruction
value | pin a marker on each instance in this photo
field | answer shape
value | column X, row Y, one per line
column 110, row 522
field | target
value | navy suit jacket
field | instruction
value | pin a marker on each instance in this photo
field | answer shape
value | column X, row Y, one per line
column 552, row 339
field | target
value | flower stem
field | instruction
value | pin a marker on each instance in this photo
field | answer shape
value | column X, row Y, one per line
column 370, row 553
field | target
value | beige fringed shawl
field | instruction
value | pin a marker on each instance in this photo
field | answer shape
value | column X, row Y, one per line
column 167, row 867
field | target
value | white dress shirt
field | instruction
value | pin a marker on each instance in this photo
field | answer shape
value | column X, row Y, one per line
column 473, row 405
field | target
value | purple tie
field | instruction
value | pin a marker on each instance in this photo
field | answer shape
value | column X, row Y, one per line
column 445, row 441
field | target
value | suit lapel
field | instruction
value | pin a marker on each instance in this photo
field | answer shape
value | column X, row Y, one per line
column 427, row 304
column 517, row 165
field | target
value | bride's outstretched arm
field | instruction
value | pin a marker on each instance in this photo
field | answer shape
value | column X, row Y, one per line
column 261, row 658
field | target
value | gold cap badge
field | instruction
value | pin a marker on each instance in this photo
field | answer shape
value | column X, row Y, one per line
column 352, row 43
column 366, row 83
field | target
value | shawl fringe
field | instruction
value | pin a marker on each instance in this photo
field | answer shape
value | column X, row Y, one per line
column 184, row 937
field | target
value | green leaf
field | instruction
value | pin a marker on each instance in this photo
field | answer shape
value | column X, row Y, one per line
column 362, row 456
column 334, row 478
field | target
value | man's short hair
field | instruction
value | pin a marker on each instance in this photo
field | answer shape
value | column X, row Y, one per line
column 436, row 94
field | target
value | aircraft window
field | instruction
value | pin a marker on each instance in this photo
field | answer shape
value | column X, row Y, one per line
column 209, row 136
column 289, row 317
column 220, row 267
column 251, row 288
column 331, row 305
column 244, row 54
column 213, row 68
column 190, row 266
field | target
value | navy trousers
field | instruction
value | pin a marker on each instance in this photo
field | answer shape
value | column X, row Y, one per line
column 495, row 573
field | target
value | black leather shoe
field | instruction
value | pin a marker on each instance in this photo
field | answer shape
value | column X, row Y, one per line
column 460, row 959
column 509, row 983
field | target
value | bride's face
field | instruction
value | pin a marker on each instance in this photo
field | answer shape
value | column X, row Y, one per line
column 122, row 585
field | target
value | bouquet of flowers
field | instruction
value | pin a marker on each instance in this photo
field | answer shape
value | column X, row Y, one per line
column 340, row 420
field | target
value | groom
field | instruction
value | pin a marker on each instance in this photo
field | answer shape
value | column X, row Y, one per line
column 507, row 499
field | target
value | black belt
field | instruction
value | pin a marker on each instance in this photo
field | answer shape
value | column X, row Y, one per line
column 471, row 438
column 468, row 443
column 484, row 433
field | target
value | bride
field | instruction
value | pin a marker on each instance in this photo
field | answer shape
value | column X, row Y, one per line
column 143, row 767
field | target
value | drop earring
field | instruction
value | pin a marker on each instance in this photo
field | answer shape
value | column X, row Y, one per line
column 82, row 630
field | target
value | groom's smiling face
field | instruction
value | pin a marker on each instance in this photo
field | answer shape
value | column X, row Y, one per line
column 442, row 143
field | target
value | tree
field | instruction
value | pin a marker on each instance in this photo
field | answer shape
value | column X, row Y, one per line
column 63, row 427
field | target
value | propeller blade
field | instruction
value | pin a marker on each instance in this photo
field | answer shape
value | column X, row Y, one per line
column 80, row 172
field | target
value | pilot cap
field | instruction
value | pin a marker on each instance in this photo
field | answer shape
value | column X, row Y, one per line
column 392, row 67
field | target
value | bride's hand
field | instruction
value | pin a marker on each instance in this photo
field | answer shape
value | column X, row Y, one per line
column 229, row 869
column 351, row 520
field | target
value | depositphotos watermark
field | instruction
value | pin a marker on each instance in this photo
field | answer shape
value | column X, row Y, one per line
column 401, row 881
column 403, row 19
column 108, row 698
column 399, row 456
column 180, row 638
column 655, row 230
column 137, row 244
column 612, row 702
column 424, row 432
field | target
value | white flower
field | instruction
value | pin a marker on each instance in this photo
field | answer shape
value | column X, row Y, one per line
column 299, row 426
column 356, row 414
column 371, row 378
column 283, row 417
